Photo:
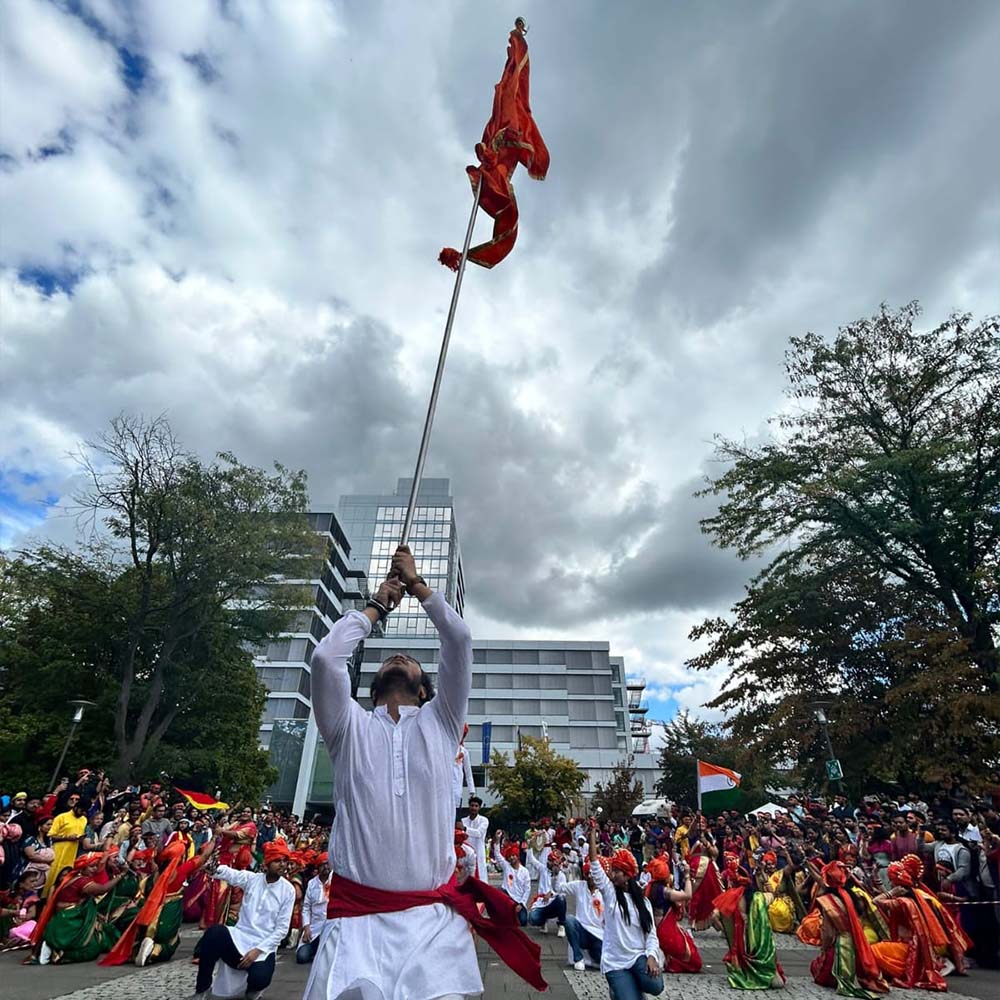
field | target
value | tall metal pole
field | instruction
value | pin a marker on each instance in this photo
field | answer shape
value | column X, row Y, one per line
column 425, row 438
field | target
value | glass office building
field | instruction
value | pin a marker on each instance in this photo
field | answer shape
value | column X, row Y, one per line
column 374, row 524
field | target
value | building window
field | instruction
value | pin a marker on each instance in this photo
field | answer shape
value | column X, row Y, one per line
column 498, row 682
column 582, row 711
column 525, row 656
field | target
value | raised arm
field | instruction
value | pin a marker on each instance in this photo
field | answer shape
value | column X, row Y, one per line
column 455, row 659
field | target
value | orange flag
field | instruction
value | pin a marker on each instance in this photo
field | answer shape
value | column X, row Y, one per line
column 510, row 137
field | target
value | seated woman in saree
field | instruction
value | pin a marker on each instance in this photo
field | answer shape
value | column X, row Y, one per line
column 908, row 960
column 948, row 939
column 846, row 961
column 784, row 904
column 751, row 962
column 154, row 934
column 71, row 928
column 19, row 908
column 121, row 904
column 679, row 950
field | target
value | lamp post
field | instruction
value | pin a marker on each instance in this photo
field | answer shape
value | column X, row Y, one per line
column 80, row 705
column 819, row 711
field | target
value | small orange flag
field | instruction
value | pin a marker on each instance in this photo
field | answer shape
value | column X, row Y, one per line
column 510, row 137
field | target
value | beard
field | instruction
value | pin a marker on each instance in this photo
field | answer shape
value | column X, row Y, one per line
column 395, row 679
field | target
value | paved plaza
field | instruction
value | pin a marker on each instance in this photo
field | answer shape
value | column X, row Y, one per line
column 176, row 979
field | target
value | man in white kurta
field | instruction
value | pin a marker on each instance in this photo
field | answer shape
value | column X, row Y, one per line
column 395, row 811
column 314, row 903
column 245, row 953
column 477, row 826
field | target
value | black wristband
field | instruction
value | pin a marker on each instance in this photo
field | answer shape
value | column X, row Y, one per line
column 383, row 611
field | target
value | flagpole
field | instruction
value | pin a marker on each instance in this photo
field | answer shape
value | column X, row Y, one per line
column 697, row 782
column 425, row 438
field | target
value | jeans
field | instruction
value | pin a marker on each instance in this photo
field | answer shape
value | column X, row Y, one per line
column 554, row 909
column 306, row 952
column 630, row 984
column 522, row 916
column 216, row 944
column 579, row 938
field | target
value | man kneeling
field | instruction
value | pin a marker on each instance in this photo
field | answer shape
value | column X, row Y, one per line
column 263, row 922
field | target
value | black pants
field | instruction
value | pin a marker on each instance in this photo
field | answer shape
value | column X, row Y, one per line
column 217, row 944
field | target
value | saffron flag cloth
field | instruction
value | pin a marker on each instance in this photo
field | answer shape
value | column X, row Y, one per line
column 200, row 800
column 718, row 787
column 510, row 137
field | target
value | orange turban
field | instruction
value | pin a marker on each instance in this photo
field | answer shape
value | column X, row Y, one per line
column 322, row 859
column 460, row 837
column 274, row 850
column 512, row 850
column 915, row 866
column 556, row 856
column 659, row 869
column 769, row 857
column 175, row 849
column 835, row 874
column 86, row 860
column 898, row 875
column 624, row 861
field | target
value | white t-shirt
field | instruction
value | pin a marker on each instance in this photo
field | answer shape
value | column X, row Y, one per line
column 589, row 906
column 624, row 943
column 516, row 882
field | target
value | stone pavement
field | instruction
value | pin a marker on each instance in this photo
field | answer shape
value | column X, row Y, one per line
column 176, row 979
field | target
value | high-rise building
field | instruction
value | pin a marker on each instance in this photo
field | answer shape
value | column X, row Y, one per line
column 374, row 524
column 286, row 727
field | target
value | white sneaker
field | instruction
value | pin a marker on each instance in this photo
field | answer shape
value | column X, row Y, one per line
column 545, row 927
column 579, row 966
column 145, row 950
column 561, row 932
column 948, row 967
column 45, row 954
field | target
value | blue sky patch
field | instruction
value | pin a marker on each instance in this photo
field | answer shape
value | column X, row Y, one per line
column 49, row 280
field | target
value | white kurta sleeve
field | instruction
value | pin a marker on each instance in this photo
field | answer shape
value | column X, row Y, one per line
column 454, row 665
column 467, row 766
column 331, row 683
column 241, row 879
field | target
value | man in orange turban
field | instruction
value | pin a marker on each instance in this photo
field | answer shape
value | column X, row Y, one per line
column 245, row 953
column 314, row 904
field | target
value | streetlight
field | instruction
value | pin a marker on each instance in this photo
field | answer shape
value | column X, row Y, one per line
column 833, row 769
column 80, row 706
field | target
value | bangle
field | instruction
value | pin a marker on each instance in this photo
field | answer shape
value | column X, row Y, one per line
column 383, row 611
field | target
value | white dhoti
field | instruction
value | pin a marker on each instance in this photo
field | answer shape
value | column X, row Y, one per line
column 425, row 952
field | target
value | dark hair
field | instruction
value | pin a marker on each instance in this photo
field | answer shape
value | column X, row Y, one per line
column 377, row 688
column 475, row 798
column 634, row 891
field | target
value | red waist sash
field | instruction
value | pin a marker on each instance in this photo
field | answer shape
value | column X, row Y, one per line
column 499, row 929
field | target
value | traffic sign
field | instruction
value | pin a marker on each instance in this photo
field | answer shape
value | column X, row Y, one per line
column 834, row 771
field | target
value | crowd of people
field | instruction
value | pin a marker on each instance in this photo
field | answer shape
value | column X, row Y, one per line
column 885, row 887
column 892, row 892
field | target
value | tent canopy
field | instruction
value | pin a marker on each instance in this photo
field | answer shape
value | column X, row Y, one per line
column 652, row 807
column 769, row 807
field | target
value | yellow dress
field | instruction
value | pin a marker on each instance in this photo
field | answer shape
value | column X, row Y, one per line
column 64, row 825
column 780, row 910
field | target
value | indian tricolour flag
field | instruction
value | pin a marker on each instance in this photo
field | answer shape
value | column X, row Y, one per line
column 718, row 787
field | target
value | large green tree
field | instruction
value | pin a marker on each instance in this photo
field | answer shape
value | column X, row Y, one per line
column 537, row 782
column 152, row 617
column 876, row 502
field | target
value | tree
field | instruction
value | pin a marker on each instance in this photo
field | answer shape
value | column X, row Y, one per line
column 182, row 573
column 877, row 502
column 537, row 782
column 621, row 794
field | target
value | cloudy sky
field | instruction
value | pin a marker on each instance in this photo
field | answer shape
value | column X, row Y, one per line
column 230, row 212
